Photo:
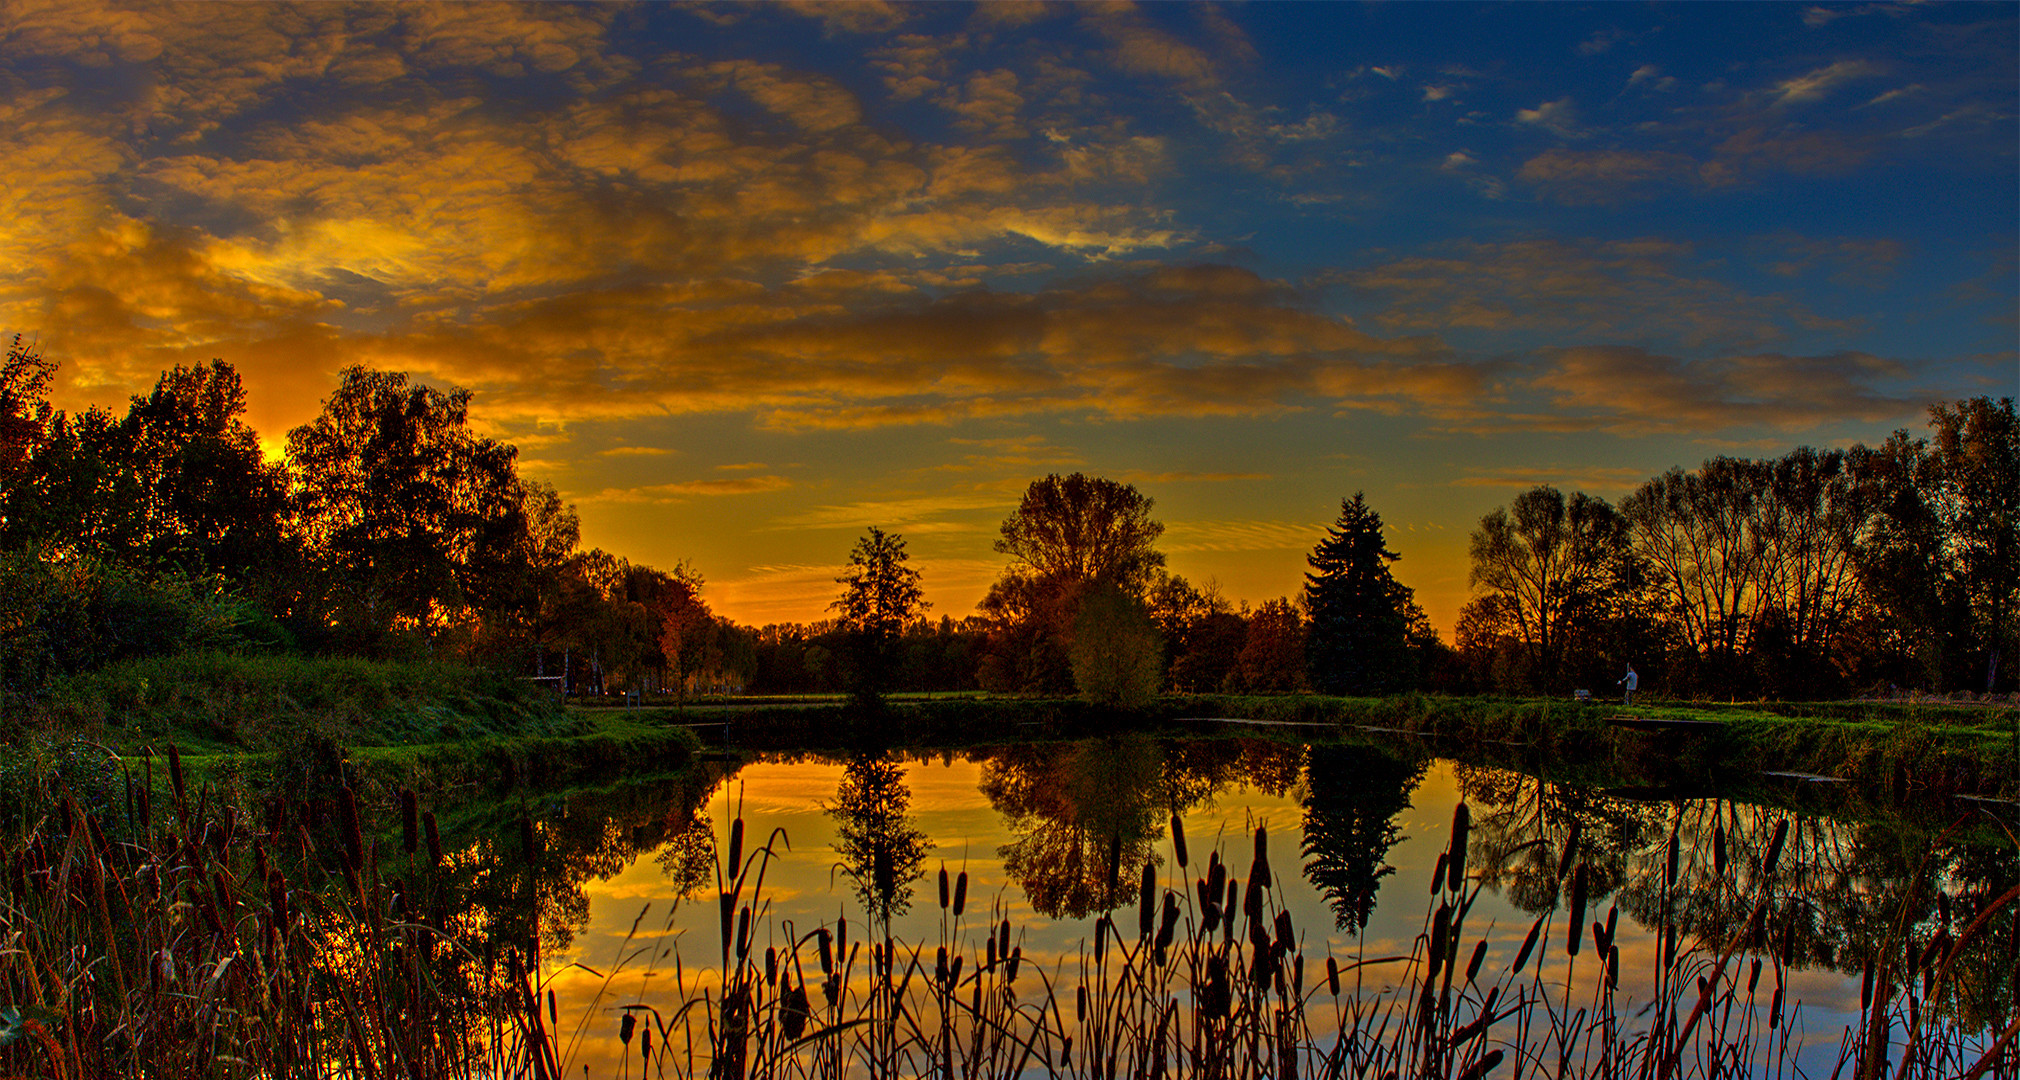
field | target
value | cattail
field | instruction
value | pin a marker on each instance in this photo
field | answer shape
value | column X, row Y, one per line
column 940, row 965
column 175, row 774
column 624, row 1028
column 1473, row 965
column 1528, row 944
column 1333, row 976
column 1577, row 922
column 1462, row 820
column 354, row 840
column 410, row 823
column 989, row 953
column 1080, row 1004
column 1488, row 1062
column 735, row 864
column 1016, row 957
column 1438, row 872
column 1260, row 871
column 1775, row 1010
column 1774, row 855
column 1178, row 839
column 1146, row 911
column 827, row 952
column 1216, row 874
column 1675, row 849
column 1168, row 927
column 434, row 834
column 954, row 974
column 1285, row 931
column 943, row 887
column 1441, row 926
column 1100, row 939
column 1570, row 851
column 277, row 898
column 1003, row 939
column 960, row 893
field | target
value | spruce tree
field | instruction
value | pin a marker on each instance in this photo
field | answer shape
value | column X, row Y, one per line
column 1359, row 613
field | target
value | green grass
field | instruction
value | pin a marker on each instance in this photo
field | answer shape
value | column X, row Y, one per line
column 208, row 701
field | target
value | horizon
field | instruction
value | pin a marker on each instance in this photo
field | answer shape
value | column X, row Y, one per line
column 743, row 281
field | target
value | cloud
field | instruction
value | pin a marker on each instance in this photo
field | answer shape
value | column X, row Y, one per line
column 634, row 451
column 1635, row 391
column 1820, row 83
column 1583, row 477
column 677, row 491
column 1648, row 289
column 1605, row 176
column 1181, row 537
column 1558, row 117
column 917, row 514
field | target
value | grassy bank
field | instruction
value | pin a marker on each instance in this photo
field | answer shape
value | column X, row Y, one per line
column 221, row 701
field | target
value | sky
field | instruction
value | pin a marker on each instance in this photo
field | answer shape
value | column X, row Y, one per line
column 742, row 281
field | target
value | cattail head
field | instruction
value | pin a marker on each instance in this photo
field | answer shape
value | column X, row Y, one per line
column 354, row 839
column 1146, row 909
column 944, row 898
column 1528, row 944
column 735, row 848
column 1462, row 820
column 434, row 838
column 1774, row 853
column 1570, row 852
column 1333, row 976
column 1575, row 931
column 410, row 825
column 960, row 893
column 1178, row 839
column 1260, row 871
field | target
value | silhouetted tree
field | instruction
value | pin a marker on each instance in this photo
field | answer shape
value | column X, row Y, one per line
column 1360, row 614
column 880, row 601
column 407, row 515
column 1552, row 564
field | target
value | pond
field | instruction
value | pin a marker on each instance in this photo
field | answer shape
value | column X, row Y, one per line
column 1724, row 937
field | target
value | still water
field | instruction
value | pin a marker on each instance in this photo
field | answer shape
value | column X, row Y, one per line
column 1050, row 836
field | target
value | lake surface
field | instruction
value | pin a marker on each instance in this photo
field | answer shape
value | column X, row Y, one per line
column 1052, row 835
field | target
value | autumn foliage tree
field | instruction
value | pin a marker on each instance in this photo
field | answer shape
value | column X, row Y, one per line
column 1069, row 537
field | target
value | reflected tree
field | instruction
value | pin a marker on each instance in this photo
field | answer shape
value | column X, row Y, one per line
column 1084, row 812
column 1352, row 797
column 881, row 846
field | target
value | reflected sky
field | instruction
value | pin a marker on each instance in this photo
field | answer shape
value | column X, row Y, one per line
column 807, row 885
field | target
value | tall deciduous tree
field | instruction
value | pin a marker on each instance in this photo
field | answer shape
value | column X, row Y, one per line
column 1360, row 614
column 407, row 515
column 1974, row 466
column 1069, row 537
column 1549, row 561
column 211, row 503
column 881, row 599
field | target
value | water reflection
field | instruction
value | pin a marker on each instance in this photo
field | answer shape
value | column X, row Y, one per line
column 881, row 847
column 1869, row 901
column 1879, row 900
column 1352, row 797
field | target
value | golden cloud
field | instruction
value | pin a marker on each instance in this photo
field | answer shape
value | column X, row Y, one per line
column 1634, row 391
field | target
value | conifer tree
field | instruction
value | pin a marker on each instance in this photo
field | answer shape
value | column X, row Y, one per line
column 1357, row 641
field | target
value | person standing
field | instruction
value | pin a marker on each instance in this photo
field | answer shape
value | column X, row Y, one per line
column 1629, row 681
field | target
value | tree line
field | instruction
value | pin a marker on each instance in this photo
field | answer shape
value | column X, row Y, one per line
column 390, row 528
column 1808, row 575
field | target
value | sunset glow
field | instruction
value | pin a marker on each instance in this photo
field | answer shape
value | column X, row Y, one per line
column 743, row 281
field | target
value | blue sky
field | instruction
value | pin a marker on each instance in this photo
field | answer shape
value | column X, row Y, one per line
column 743, row 281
